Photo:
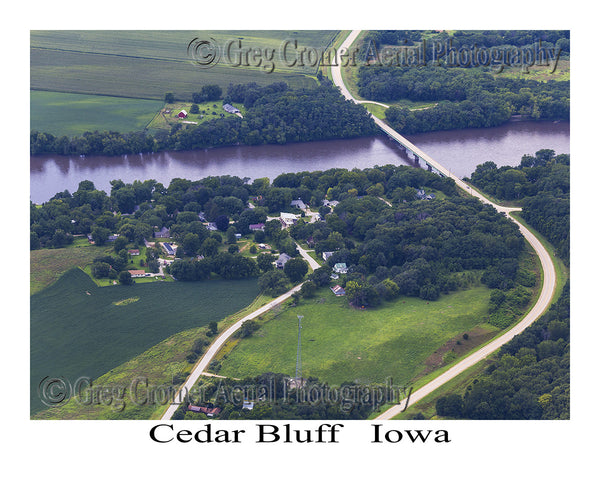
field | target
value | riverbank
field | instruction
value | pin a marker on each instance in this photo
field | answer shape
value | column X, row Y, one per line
column 460, row 150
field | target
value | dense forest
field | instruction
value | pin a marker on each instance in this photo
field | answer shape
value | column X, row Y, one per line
column 541, row 185
column 462, row 96
column 530, row 377
column 275, row 114
column 529, row 380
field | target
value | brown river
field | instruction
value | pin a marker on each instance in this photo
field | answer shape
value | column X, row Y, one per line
column 459, row 150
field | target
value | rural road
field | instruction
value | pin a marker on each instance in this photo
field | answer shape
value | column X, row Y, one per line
column 208, row 356
column 549, row 274
column 216, row 346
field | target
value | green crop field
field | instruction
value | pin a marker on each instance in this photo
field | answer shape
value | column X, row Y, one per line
column 79, row 329
column 73, row 114
column 148, row 64
column 340, row 343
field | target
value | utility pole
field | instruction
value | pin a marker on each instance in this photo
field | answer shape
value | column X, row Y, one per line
column 299, row 353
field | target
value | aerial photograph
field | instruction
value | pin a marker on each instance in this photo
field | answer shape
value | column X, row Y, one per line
column 296, row 225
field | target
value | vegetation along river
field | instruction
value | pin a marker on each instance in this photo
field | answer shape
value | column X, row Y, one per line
column 459, row 150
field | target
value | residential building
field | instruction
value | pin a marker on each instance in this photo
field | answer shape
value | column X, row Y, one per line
column 230, row 108
column 340, row 268
column 298, row 204
column 326, row 255
column 282, row 260
column 169, row 248
column 137, row 273
column 164, row 232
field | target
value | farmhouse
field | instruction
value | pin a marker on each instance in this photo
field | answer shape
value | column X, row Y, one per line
column 182, row 114
column 133, row 252
column 137, row 273
column 282, row 260
column 230, row 108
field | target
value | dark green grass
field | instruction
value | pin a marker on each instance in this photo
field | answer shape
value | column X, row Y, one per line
column 74, row 334
column 73, row 114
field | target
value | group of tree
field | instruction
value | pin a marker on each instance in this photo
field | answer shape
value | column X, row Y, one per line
column 540, row 183
column 467, row 38
column 414, row 247
column 275, row 114
column 463, row 98
column 275, row 398
column 530, row 378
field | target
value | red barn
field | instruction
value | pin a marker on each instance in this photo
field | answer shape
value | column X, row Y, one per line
column 182, row 114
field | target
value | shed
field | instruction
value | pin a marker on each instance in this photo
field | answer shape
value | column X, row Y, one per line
column 182, row 114
column 338, row 291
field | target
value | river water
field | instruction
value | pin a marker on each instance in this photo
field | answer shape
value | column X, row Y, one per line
column 458, row 150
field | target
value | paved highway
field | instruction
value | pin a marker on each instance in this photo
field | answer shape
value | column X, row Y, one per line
column 549, row 275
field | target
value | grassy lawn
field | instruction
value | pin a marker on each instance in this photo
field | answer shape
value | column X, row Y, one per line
column 340, row 343
column 72, row 114
column 79, row 329
column 208, row 111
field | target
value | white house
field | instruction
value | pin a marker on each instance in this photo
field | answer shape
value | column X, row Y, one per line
column 340, row 268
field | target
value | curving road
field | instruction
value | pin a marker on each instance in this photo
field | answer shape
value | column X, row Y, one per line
column 549, row 274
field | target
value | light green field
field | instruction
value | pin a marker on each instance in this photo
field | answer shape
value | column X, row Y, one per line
column 48, row 264
column 73, row 114
column 148, row 64
column 340, row 343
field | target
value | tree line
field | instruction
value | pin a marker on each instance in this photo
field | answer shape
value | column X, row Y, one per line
column 484, row 38
column 530, row 378
column 276, row 114
column 540, row 183
column 465, row 98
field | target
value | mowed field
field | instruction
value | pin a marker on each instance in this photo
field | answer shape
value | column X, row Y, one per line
column 148, row 64
column 340, row 343
column 73, row 114
column 79, row 329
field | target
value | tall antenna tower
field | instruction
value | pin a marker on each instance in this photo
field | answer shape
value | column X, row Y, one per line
column 299, row 354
